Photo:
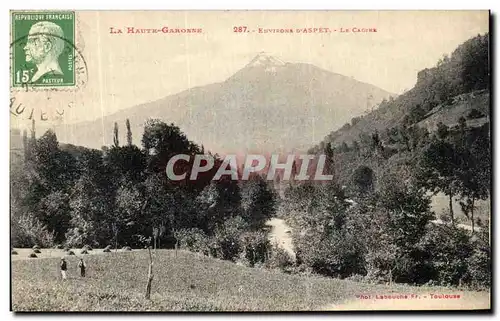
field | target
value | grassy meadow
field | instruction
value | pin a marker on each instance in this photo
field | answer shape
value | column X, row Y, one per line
column 186, row 282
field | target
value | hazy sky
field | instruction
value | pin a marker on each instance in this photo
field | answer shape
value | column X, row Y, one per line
column 129, row 69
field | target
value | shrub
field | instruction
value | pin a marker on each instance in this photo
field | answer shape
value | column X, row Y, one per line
column 84, row 252
column 27, row 230
column 338, row 254
column 32, row 255
column 381, row 261
column 88, row 233
column 193, row 240
column 225, row 244
column 474, row 113
column 279, row 259
column 444, row 251
column 479, row 262
column 37, row 251
column 13, row 252
column 255, row 246
column 71, row 253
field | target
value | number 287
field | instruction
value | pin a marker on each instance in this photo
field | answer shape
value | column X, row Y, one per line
column 240, row 29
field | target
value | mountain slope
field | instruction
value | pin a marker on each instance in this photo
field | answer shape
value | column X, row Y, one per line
column 269, row 105
column 452, row 89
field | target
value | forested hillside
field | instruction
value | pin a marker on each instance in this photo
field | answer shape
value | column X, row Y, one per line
column 465, row 71
column 375, row 220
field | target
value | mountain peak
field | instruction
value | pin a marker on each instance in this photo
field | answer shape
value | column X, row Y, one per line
column 265, row 60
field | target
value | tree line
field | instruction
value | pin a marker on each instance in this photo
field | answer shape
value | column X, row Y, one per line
column 120, row 195
column 375, row 221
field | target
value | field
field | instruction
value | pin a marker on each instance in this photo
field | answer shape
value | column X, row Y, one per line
column 191, row 282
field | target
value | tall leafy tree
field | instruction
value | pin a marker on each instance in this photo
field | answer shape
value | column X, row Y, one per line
column 329, row 163
column 129, row 133
column 116, row 140
column 162, row 141
column 91, row 203
column 474, row 172
column 127, row 162
column 258, row 201
column 219, row 201
column 437, row 169
column 407, row 211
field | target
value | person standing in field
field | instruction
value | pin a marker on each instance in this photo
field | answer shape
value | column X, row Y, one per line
column 64, row 268
column 82, row 267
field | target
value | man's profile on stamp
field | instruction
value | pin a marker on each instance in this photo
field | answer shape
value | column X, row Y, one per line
column 44, row 46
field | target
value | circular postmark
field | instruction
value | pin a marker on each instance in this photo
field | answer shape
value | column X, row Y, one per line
column 48, row 71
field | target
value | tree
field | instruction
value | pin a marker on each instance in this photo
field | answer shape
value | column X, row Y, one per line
column 363, row 179
column 476, row 65
column 417, row 114
column 473, row 174
column 329, row 163
column 116, row 141
column 377, row 142
column 344, row 148
column 442, row 131
column 445, row 250
column 407, row 211
column 41, row 186
column 158, row 204
column 437, row 170
column 56, row 216
column 129, row 133
column 404, row 136
column 26, row 146
column 161, row 141
column 219, row 201
column 91, row 202
column 127, row 162
column 355, row 146
column 326, row 243
column 258, row 201
column 128, row 218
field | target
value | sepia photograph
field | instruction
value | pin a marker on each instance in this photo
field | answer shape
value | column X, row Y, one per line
column 250, row 161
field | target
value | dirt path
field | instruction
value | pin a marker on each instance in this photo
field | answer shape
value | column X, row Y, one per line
column 281, row 234
column 462, row 226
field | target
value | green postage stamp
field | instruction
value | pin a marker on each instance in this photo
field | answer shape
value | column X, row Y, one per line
column 42, row 49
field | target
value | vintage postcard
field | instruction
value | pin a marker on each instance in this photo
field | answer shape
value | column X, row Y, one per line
column 250, row 160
